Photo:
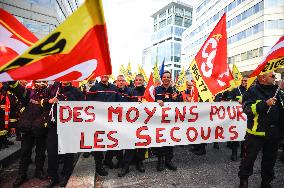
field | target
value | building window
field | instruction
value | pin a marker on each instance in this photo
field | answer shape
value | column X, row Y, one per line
column 155, row 27
column 179, row 11
column 244, row 56
column 188, row 13
column 170, row 20
column 162, row 24
column 155, row 20
column 170, row 10
column 187, row 22
column 178, row 20
column 163, row 14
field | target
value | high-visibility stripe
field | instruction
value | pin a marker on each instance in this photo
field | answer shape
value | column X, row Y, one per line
column 256, row 133
column 22, row 109
column 255, row 119
column 3, row 133
column 13, row 120
column 107, row 91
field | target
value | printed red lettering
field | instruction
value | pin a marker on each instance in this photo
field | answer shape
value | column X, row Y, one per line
column 77, row 113
column 158, row 135
column 193, row 113
column 219, row 132
column 231, row 110
column 97, row 140
column 61, row 111
column 172, row 134
column 109, row 136
column 117, row 110
column 234, row 132
column 93, row 116
column 128, row 114
column 149, row 113
column 221, row 111
column 179, row 115
column 240, row 113
column 203, row 133
column 82, row 142
column 165, row 115
column 139, row 136
column 195, row 134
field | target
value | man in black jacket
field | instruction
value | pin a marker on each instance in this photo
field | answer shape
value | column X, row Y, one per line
column 136, row 95
column 105, row 92
column 33, row 131
column 166, row 93
column 63, row 91
column 264, row 112
column 237, row 95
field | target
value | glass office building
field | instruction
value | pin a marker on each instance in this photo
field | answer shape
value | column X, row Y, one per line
column 169, row 24
column 253, row 27
column 40, row 16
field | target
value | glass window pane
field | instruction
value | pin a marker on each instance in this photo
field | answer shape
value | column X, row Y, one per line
column 178, row 20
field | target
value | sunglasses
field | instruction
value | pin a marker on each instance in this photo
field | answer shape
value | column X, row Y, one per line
column 272, row 76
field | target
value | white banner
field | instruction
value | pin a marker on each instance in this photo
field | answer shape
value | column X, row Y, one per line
column 85, row 126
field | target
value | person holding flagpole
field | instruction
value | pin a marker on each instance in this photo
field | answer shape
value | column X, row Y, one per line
column 265, row 114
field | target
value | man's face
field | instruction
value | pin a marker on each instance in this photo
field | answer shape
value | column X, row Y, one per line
column 270, row 78
column 189, row 86
column 104, row 78
column 120, row 82
column 166, row 79
column 139, row 81
column 244, row 82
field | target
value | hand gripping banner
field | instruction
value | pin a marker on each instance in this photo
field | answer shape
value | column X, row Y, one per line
column 76, row 50
column 84, row 126
column 209, row 68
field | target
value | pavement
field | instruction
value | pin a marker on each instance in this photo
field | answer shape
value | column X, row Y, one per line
column 213, row 170
column 9, row 154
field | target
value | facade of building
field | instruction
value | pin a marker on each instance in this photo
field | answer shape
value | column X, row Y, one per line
column 169, row 24
column 40, row 16
column 146, row 57
column 253, row 27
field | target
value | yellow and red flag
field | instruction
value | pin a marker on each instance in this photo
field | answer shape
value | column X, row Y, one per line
column 181, row 81
column 142, row 72
column 149, row 91
column 76, row 50
column 273, row 61
column 209, row 67
column 15, row 39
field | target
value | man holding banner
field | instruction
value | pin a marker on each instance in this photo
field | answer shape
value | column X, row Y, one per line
column 165, row 93
column 264, row 111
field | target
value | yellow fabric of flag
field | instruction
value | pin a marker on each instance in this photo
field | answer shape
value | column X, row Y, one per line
column 181, row 82
column 143, row 73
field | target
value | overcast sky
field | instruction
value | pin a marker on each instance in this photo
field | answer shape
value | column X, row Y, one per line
column 130, row 26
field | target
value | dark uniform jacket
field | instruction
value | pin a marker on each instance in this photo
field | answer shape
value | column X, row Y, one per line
column 237, row 93
column 161, row 93
column 137, row 93
column 103, row 92
column 124, row 94
column 259, row 122
column 65, row 93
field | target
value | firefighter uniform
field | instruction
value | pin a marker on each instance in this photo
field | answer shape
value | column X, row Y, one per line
column 135, row 95
column 263, row 132
column 236, row 95
column 64, row 93
column 165, row 154
column 104, row 93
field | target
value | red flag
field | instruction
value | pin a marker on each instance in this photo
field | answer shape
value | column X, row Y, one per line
column 149, row 92
column 14, row 37
column 273, row 60
column 209, row 68
column 76, row 50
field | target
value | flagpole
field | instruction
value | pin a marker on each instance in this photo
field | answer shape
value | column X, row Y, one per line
column 277, row 91
column 51, row 110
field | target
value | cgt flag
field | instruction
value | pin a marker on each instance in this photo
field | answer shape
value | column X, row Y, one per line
column 75, row 50
column 15, row 39
column 209, row 67
column 273, row 61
